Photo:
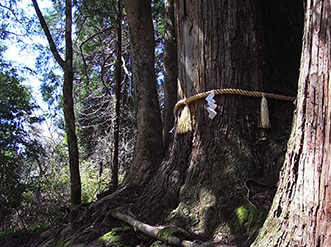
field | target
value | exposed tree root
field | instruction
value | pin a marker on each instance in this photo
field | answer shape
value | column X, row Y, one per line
column 171, row 235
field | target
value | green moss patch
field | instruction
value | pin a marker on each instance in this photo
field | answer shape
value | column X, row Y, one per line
column 249, row 218
column 165, row 233
column 116, row 237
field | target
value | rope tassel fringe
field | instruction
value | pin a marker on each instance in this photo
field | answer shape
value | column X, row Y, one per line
column 265, row 113
column 184, row 121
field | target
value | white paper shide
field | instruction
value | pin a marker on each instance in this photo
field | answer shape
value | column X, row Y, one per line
column 211, row 106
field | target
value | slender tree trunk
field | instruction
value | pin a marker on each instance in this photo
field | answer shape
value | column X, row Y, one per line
column 149, row 144
column 68, row 102
column 118, row 81
column 68, row 108
column 71, row 137
column 170, row 71
column 300, row 214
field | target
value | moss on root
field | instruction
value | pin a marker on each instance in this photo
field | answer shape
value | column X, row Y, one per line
column 165, row 233
column 115, row 237
column 249, row 218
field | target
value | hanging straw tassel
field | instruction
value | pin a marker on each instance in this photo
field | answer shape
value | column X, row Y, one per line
column 265, row 113
column 184, row 121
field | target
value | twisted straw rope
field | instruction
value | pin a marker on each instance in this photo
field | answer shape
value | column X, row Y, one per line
column 233, row 92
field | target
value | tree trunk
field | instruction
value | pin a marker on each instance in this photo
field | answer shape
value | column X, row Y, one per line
column 201, row 184
column 170, row 71
column 300, row 214
column 149, row 145
column 68, row 102
column 68, row 109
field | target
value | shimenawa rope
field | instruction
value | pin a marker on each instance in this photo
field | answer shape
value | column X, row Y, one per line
column 185, row 124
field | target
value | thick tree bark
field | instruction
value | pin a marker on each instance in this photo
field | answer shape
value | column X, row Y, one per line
column 149, row 145
column 201, row 184
column 170, row 70
column 300, row 214
column 68, row 102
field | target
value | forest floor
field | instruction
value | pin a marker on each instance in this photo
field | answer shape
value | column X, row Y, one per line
column 94, row 226
column 116, row 234
column 110, row 232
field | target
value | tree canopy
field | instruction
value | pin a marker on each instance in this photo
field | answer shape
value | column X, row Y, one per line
column 18, row 146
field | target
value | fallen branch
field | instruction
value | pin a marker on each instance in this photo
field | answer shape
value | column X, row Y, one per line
column 161, row 233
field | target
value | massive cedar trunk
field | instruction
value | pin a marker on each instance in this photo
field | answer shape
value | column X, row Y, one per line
column 300, row 214
column 149, row 145
column 201, row 184
column 68, row 102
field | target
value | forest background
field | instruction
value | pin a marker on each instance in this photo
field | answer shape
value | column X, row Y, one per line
column 35, row 177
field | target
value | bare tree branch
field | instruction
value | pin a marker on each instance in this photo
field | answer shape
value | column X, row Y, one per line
column 48, row 35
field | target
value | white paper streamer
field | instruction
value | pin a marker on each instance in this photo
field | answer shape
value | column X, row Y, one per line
column 211, row 106
column 210, row 97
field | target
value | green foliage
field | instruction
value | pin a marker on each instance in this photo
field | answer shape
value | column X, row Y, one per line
column 50, row 88
column 96, row 43
column 93, row 183
column 14, row 22
column 96, row 33
column 158, row 17
column 49, row 72
column 158, row 20
column 42, row 198
column 24, row 232
column 47, row 200
column 95, row 102
column 17, row 146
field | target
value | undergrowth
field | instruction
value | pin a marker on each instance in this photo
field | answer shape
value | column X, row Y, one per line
column 45, row 203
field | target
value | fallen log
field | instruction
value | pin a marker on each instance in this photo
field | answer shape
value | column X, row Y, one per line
column 160, row 232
